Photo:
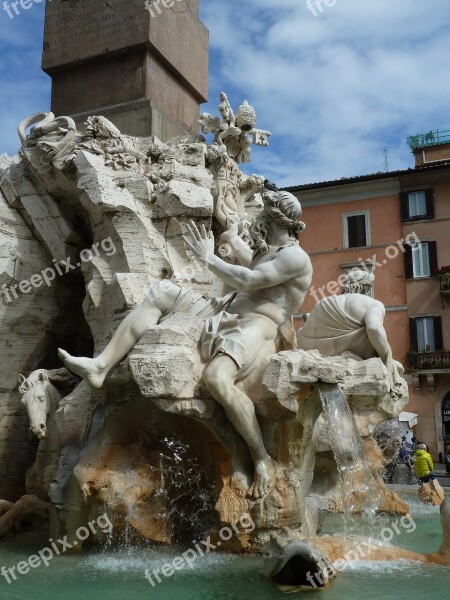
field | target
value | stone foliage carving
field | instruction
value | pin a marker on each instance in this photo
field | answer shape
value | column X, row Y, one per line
column 232, row 131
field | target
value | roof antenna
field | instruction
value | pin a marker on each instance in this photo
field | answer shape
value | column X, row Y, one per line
column 386, row 159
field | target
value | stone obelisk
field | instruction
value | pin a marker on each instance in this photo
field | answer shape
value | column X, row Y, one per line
column 142, row 64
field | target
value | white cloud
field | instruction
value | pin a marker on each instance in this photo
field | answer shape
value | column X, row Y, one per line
column 336, row 88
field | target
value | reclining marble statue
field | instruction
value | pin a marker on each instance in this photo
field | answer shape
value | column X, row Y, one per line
column 352, row 325
column 240, row 328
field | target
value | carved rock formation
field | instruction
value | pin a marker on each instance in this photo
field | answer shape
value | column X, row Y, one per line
column 27, row 508
column 109, row 212
column 431, row 493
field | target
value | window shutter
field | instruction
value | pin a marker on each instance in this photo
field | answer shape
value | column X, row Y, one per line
column 404, row 206
column 413, row 335
column 352, row 232
column 432, row 253
column 438, row 338
column 409, row 274
column 361, row 229
column 356, row 227
column 429, row 199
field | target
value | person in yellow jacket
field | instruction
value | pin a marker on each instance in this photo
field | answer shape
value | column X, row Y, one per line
column 423, row 465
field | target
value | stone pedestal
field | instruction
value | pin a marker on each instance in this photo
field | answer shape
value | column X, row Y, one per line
column 147, row 74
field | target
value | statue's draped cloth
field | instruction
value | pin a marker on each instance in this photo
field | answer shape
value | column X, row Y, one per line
column 332, row 331
column 222, row 331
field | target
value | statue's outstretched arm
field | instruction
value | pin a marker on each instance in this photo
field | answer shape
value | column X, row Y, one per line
column 284, row 267
column 376, row 332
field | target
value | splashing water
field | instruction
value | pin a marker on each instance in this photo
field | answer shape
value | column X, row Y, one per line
column 178, row 505
column 358, row 492
column 184, row 485
column 388, row 435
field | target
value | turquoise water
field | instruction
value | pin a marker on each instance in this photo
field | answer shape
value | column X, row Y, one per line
column 119, row 574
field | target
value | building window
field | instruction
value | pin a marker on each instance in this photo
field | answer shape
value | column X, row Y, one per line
column 356, row 230
column 420, row 260
column 417, row 205
column 426, row 334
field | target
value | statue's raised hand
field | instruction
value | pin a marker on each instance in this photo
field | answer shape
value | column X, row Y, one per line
column 200, row 241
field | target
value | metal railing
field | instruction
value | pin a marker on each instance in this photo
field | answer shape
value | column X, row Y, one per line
column 427, row 361
column 432, row 138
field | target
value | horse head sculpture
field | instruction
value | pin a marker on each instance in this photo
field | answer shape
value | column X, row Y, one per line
column 40, row 397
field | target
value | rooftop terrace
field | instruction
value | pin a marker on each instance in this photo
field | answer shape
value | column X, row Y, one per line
column 432, row 138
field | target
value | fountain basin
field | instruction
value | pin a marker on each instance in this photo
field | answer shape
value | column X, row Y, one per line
column 117, row 574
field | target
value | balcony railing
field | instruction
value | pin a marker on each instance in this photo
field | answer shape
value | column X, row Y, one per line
column 429, row 361
column 432, row 138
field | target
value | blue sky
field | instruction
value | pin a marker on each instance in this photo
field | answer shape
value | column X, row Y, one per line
column 334, row 89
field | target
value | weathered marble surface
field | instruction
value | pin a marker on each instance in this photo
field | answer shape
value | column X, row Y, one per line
column 32, row 324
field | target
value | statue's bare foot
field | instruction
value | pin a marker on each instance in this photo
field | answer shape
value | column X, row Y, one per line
column 264, row 479
column 242, row 472
column 87, row 368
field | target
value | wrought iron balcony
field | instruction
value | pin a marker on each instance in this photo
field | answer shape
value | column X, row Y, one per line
column 432, row 138
column 429, row 361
